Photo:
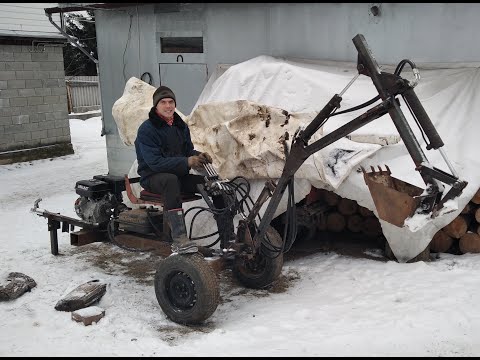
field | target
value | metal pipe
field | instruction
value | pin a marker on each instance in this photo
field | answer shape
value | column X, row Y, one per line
column 450, row 166
column 362, row 120
column 91, row 82
column 211, row 172
column 207, row 169
column 70, row 39
column 370, row 68
column 212, row 169
column 349, row 84
column 423, row 119
column 79, row 47
column 219, row 182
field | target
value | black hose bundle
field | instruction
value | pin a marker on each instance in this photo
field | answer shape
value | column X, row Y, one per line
column 236, row 193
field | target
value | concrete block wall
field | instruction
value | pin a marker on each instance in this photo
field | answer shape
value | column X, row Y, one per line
column 33, row 98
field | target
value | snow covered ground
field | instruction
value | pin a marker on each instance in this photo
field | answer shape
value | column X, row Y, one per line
column 324, row 304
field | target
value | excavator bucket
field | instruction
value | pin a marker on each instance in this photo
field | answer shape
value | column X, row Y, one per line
column 394, row 199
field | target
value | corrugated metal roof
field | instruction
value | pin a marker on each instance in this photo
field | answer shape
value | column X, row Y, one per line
column 27, row 20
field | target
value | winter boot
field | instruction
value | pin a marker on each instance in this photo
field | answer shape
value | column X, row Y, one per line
column 176, row 222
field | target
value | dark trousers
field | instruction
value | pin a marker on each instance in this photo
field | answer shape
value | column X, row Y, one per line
column 170, row 186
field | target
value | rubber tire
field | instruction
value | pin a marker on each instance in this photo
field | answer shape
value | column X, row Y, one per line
column 269, row 273
column 205, row 282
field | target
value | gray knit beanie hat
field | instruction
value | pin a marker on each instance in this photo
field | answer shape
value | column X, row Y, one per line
column 161, row 93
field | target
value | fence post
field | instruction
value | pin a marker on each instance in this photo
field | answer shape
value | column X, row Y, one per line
column 69, row 98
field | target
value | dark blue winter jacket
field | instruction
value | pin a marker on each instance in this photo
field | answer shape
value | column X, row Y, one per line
column 162, row 148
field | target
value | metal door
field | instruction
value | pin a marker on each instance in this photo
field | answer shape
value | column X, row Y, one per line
column 186, row 81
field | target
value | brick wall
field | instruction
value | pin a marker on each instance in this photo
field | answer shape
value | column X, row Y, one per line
column 33, row 100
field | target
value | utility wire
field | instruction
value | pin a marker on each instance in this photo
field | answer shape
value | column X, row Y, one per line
column 138, row 32
column 126, row 45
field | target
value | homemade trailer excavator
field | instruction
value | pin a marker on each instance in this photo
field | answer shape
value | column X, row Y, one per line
column 186, row 285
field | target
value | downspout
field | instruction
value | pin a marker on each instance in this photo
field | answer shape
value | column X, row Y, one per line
column 79, row 47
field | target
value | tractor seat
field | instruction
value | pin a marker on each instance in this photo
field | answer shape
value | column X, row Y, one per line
column 184, row 197
column 147, row 197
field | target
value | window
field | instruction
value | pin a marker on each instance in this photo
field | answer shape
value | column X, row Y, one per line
column 181, row 44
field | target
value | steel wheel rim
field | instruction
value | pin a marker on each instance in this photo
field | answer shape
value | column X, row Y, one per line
column 181, row 291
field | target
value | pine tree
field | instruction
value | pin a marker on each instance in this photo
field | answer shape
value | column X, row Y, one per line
column 76, row 62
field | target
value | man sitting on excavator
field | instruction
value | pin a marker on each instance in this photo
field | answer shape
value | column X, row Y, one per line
column 165, row 155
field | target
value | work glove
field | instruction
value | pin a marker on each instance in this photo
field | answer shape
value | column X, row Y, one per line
column 196, row 162
column 207, row 157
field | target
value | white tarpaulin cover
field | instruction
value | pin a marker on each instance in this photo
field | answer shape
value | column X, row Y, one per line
column 247, row 140
column 132, row 109
column 231, row 108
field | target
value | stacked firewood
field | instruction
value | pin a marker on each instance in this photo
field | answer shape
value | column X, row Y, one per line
column 463, row 233
column 343, row 214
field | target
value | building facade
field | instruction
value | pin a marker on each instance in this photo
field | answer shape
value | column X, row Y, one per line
column 181, row 45
column 33, row 101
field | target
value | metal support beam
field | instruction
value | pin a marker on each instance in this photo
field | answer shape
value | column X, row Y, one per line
column 53, row 225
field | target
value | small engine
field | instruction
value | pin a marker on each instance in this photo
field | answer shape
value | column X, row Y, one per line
column 99, row 198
